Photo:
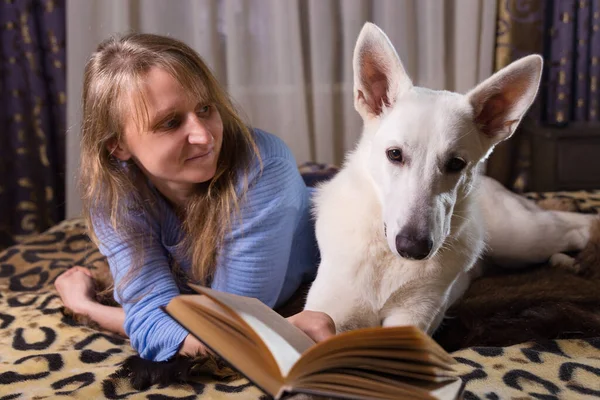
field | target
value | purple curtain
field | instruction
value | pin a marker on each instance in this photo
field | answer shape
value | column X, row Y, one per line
column 32, row 117
column 572, row 53
column 594, row 71
column 567, row 34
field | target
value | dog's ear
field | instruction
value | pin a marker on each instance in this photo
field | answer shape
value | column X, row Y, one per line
column 500, row 102
column 379, row 77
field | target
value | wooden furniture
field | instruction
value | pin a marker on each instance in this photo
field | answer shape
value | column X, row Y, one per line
column 564, row 158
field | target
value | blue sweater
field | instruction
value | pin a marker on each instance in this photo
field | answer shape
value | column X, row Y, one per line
column 269, row 252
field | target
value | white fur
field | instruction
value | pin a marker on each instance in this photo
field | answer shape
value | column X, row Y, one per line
column 362, row 279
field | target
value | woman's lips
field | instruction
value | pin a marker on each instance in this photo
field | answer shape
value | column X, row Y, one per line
column 201, row 155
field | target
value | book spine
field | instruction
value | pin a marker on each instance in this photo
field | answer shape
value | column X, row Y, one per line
column 594, row 71
column 562, row 33
column 581, row 86
column 285, row 393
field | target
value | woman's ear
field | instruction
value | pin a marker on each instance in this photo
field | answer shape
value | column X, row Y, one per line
column 118, row 149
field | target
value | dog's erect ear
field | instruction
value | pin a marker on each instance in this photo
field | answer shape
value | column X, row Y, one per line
column 500, row 101
column 379, row 77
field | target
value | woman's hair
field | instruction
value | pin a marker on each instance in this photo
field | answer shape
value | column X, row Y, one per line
column 118, row 192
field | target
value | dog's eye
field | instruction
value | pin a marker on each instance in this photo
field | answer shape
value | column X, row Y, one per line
column 394, row 155
column 456, row 164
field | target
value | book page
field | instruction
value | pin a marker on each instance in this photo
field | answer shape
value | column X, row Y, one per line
column 449, row 391
column 228, row 340
column 401, row 343
column 355, row 384
column 285, row 342
column 385, row 361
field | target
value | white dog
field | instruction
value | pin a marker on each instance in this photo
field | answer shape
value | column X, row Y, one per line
column 403, row 224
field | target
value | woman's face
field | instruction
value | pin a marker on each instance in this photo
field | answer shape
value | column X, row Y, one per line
column 180, row 146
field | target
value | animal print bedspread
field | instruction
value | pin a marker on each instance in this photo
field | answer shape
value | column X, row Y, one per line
column 44, row 354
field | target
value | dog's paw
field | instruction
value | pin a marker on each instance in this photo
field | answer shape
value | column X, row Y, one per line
column 143, row 373
column 589, row 258
column 564, row 262
column 587, row 261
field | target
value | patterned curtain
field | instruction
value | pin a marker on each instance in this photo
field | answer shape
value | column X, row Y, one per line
column 573, row 53
column 567, row 34
column 520, row 31
column 32, row 117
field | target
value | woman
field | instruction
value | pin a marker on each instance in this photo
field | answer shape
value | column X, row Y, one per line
column 176, row 187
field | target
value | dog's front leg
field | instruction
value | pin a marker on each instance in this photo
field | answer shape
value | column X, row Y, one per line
column 334, row 293
column 416, row 304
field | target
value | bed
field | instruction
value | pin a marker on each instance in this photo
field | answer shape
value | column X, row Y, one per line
column 44, row 353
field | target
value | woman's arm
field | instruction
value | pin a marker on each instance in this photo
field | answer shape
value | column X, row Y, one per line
column 113, row 319
column 256, row 254
column 153, row 333
column 76, row 289
column 109, row 318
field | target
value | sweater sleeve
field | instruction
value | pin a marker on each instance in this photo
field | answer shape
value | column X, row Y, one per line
column 256, row 254
column 153, row 334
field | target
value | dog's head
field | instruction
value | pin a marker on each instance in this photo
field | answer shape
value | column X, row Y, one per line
column 424, row 146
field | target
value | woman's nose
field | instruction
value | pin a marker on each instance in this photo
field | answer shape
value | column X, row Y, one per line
column 198, row 132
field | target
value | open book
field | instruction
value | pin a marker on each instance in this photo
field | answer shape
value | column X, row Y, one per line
column 371, row 363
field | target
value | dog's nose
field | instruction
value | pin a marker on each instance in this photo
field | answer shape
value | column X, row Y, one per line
column 410, row 244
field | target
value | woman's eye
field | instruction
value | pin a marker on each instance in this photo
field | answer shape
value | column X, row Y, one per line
column 171, row 124
column 204, row 111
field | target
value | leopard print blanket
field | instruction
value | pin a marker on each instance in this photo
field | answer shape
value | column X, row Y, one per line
column 45, row 354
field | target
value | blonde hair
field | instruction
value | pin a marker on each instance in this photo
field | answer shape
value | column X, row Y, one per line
column 119, row 193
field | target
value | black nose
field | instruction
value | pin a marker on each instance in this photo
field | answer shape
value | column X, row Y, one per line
column 412, row 245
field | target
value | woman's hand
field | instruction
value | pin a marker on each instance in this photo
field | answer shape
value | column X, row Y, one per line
column 76, row 289
column 317, row 325
column 192, row 347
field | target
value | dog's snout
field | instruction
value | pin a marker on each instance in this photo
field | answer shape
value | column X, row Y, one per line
column 412, row 245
